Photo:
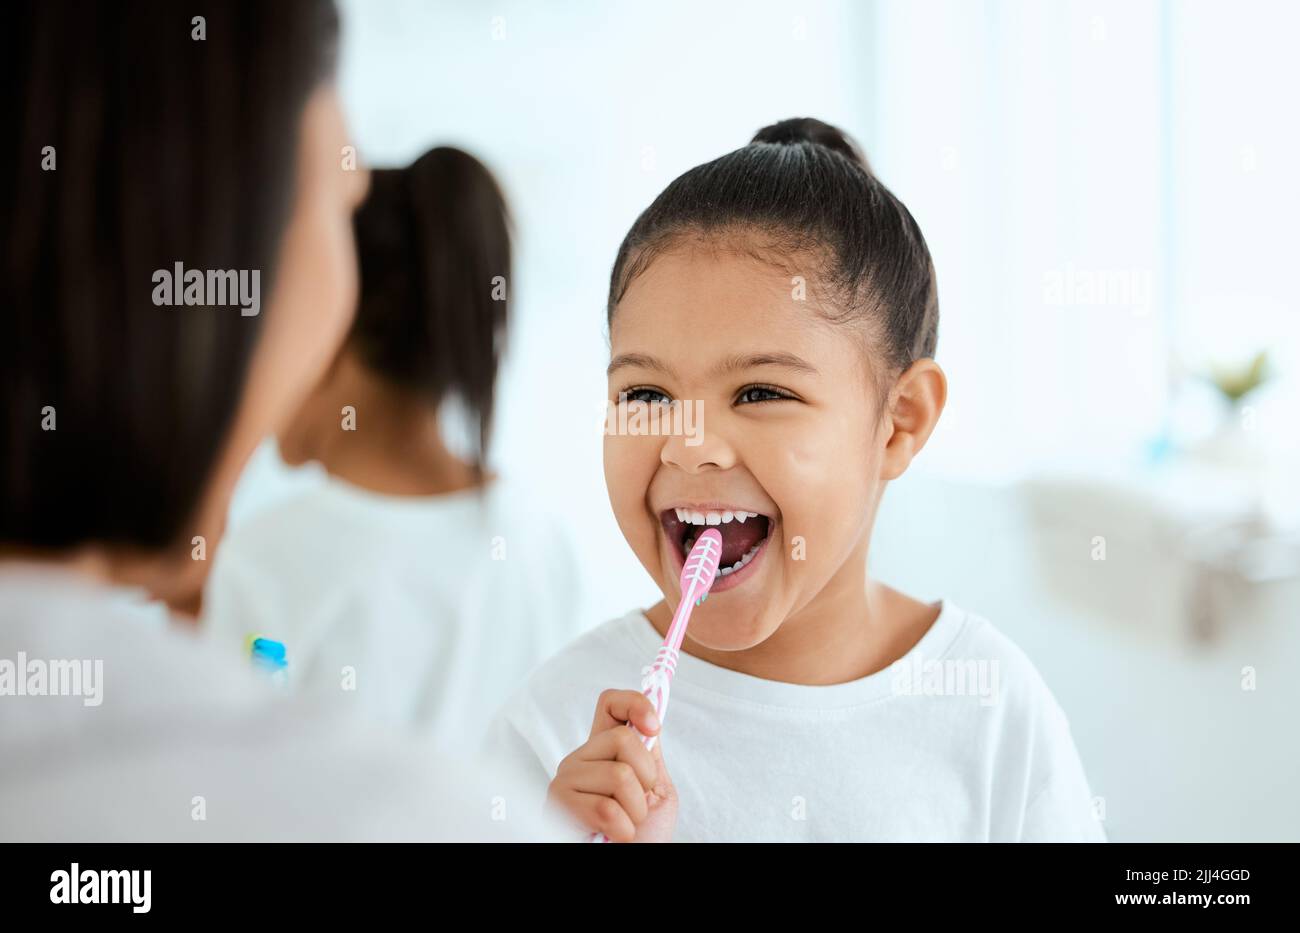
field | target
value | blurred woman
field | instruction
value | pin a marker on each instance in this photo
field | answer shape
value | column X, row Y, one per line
column 412, row 584
column 144, row 138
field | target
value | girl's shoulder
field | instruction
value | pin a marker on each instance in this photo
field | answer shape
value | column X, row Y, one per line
column 1020, row 689
column 946, row 630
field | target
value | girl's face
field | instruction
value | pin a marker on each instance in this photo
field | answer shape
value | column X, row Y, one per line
column 788, row 433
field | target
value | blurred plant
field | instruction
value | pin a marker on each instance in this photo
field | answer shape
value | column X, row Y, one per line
column 1236, row 382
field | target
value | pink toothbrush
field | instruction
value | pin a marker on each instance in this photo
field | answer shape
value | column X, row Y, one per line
column 697, row 577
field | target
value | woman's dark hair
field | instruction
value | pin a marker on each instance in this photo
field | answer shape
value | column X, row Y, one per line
column 433, row 241
column 805, row 188
column 142, row 136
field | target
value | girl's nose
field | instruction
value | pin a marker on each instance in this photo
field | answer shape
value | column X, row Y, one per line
column 699, row 452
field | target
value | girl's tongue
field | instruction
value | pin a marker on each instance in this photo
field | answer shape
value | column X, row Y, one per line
column 738, row 538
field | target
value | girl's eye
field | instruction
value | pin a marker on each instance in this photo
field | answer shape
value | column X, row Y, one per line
column 755, row 394
column 646, row 395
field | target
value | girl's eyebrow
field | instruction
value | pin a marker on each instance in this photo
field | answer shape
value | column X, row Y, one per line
column 730, row 364
column 638, row 359
column 779, row 358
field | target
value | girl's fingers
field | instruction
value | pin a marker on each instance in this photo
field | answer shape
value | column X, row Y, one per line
column 604, row 783
column 663, row 787
column 621, row 744
column 616, row 707
column 602, row 814
column 614, row 779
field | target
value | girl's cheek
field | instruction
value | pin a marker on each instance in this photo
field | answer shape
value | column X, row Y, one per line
column 630, row 465
column 810, row 475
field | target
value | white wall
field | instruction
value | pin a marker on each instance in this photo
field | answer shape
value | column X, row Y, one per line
column 1042, row 142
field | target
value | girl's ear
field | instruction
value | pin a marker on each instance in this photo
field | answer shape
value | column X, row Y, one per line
column 914, row 406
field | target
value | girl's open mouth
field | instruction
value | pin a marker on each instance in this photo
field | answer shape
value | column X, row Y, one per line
column 744, row 536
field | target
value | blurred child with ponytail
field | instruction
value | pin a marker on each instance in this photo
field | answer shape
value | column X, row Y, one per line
column 413, row 584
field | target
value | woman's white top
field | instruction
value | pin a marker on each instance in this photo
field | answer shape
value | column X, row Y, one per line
column 118, row 724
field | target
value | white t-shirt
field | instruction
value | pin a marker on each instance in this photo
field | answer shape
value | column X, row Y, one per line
column 959, row 740
column 424, row 612
column 152, row 736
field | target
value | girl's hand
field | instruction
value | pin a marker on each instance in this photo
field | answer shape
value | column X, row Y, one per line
column 613, row 784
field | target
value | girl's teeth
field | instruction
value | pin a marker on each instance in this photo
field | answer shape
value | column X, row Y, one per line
column 749, row 555
column 712, row 518
column 717, row 518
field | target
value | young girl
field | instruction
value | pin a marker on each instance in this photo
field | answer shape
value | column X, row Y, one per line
column 787, row 293
column 411, row 585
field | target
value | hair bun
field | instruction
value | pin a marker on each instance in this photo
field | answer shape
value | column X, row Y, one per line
column 811, row 130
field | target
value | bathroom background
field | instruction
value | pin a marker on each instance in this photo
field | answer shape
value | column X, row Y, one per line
column 1109, row 192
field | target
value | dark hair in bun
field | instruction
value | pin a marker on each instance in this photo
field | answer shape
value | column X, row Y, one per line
column 809, row 130
column 808, row 187
column 432, row 240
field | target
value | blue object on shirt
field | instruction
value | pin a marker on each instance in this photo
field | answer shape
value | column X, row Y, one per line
column 268, row 653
